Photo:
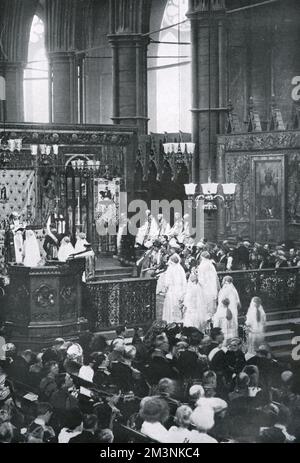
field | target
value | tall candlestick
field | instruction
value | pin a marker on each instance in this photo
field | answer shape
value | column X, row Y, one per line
column 78, row 205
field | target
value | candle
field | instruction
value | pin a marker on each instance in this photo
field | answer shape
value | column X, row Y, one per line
column 78, row 205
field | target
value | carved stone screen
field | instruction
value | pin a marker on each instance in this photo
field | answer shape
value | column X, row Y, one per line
column 106, row 213
column 267, row 214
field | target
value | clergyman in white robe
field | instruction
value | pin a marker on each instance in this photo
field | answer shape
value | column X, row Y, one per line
column 32, row 255
column 175, row 283
column 19, row 246
column 66, row 249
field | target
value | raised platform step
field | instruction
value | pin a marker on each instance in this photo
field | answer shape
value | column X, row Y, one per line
column 275, row 325
column 283, row 314
column 278, row 335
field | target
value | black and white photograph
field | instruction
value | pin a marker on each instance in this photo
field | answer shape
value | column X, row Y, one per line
column 149, row 225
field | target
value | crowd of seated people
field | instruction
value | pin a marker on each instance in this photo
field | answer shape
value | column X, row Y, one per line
column 172, row 385
column 227, row 255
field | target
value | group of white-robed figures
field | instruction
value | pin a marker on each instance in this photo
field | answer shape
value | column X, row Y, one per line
column 201, row 301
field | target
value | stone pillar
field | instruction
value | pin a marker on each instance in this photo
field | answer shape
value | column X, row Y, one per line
column 14, row 104
column 129, row 61
column 61, row 17
column 208, row 83
column 63, row 88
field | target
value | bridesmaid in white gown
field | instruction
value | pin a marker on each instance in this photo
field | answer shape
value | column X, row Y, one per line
column 194, row 303
column 175, row 283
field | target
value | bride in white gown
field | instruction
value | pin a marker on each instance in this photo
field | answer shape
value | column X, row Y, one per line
column 175, row 284
column 194, row 303
column 209, row 282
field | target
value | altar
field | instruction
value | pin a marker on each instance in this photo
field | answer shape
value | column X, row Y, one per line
column 44, row 303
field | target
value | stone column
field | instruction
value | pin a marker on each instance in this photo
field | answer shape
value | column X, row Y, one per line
column 61, row 18
column 129, row 61
column 14, row 104
column 208, row 82
column 63, row 88
column 208, row 90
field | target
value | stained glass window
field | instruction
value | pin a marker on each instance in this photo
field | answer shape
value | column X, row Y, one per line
column 36, row 76
column 173, row 70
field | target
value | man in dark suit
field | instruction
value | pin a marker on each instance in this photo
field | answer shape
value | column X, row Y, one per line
column 88, row 434
column 241, row 256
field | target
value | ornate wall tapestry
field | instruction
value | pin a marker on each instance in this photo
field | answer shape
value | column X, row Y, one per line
column 18, row 193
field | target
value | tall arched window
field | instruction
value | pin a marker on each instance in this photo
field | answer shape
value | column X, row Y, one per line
column 173, row 70
column 36, row 76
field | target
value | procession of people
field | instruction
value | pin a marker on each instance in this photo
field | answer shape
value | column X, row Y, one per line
column 188, row 282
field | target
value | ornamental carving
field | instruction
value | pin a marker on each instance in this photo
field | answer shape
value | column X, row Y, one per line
column 75, row 138
column 44, row 297
column 69, row 295
column 263, row 141
column 129, row 301
column 294, row 188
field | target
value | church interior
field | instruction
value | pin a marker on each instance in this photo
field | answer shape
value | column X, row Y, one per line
column 180, row 120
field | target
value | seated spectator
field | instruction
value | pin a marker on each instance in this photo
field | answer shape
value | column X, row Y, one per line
column 19, row 368
column 160, row 366
column 6, row 433
column 48, row 384
column 234, row 358
column 209, row 382
column 74, row 359
column 98, row 343
column 87, row 372
column 120, row 335
column 36, row 371
column 202, row 419
column 154, row 413
column 39, row 429
column 5, row 391
column 116, row 355
column 166, row 392
column 269, row 369
column 123, row 374
column 73, row 426
column 63, row 400
column 52, row 353
column 180, row 433
column 89, row 430
column 102, row 376
column 195, row 392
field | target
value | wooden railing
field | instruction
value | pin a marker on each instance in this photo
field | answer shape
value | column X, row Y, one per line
column 133, row 301
column 278, row 288
column 129, row 301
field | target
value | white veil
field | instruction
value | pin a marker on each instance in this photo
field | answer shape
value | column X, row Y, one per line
column 31, row 250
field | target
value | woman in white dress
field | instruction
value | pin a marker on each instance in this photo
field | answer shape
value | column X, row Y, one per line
column 195, row 312
column 255, row 325
column 175, row 283
column 209, row 282
column 226, row 319
column 32, row 255
column 226, row 316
